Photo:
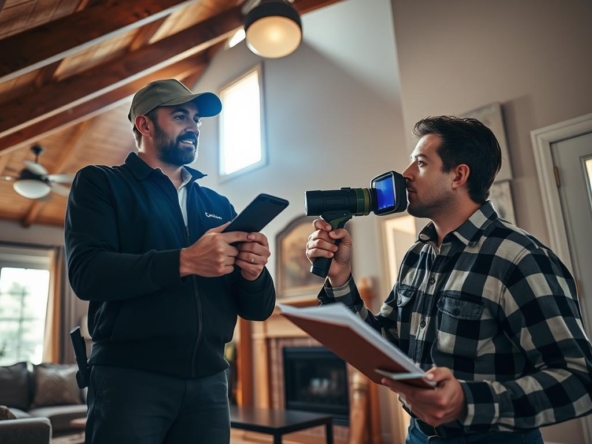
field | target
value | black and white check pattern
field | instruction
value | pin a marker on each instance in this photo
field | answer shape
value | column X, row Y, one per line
column 500, row 310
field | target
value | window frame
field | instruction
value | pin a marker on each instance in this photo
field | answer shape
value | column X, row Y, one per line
column 262, row 127
column 26, row 257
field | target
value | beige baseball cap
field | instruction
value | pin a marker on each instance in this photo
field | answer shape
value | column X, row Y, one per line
column 171, row 92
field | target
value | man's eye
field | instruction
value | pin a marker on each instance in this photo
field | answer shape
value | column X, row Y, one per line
column 179, row 117
column 420, row 163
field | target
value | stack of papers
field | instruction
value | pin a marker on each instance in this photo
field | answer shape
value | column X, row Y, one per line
column 357, row 343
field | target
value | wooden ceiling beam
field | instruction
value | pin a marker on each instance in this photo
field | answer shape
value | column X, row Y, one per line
column 76, row 89
column 142, row 38
column 98, row 105
column 56, row 97
column 47, row 73
column 304, row 6
column 4, row 158
column 53, row 41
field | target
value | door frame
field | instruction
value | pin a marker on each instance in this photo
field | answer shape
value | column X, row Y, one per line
column 542, row 139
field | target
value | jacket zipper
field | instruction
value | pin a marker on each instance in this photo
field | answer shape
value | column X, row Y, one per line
column 199, row 314
column 195, row 287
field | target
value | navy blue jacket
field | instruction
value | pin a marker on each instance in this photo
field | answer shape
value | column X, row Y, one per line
column 124, row 233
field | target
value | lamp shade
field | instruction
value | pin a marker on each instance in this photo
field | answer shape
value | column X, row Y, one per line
column 31, row 188
column 273, row 29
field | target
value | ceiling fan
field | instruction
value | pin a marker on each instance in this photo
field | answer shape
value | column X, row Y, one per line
column 34, row 182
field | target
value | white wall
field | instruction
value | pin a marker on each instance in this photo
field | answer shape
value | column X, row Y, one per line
column 11, row 231
column 533, row 56
column 325, row 127
column 333, row 120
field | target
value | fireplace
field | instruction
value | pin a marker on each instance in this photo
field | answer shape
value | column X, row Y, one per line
column 316, row 380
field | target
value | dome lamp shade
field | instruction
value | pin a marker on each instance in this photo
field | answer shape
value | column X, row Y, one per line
column 273, row 29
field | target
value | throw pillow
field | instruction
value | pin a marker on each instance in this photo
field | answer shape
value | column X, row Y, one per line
column 55, row 384
column 14, row 386
column 5, row 413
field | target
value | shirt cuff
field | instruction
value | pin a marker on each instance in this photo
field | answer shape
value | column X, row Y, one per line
column 482, row 404
column 346, row 293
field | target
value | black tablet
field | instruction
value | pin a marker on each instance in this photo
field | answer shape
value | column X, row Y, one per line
column 257, row 214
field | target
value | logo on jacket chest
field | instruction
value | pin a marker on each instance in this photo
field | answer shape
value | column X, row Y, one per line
column 215, row 216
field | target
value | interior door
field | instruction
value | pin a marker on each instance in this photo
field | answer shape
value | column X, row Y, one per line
column 573, row 159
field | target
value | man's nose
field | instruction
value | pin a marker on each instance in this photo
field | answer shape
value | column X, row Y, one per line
column 407, row 174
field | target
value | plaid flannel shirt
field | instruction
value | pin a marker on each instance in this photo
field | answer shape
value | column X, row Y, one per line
column 498, row 309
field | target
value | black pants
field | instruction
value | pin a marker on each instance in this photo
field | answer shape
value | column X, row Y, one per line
column 134, row 406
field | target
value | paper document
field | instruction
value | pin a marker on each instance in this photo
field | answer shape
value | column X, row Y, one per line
column 354, row 341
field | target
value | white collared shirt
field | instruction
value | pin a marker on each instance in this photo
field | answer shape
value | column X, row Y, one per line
column 182, row 193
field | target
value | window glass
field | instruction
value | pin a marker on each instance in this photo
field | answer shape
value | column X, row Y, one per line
column 23, row 307
column 241, row 126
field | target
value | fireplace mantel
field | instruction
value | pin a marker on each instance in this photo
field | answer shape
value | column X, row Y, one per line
column 255, row 372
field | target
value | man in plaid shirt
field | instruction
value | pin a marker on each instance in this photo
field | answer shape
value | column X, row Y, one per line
column 485, row 308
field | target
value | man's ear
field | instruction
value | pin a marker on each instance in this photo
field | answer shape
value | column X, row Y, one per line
column 461, row 176
column 144, row 125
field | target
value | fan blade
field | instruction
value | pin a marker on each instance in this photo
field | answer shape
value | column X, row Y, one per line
column 44, row 198
column 59, row 189
column 35, row 168
column 61, row 178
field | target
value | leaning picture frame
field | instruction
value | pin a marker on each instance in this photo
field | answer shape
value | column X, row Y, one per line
column 491, row 116
column 293, row 275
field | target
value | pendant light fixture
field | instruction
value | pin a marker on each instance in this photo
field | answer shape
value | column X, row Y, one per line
column 273, row 29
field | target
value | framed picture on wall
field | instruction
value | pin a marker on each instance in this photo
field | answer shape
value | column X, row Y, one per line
column 491, row 116
column 501, row 198
column 292, row 267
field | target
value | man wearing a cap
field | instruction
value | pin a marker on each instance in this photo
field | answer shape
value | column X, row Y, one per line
column 144, row 247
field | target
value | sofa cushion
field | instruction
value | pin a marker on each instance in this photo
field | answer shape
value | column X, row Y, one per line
column 60, row 416
column 5, row 413
column 14, row 386
column 55, row 384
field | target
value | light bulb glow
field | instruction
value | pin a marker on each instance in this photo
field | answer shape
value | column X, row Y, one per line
column 274, row 37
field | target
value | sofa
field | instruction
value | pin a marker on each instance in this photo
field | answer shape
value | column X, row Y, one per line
column 40, row 395
column 25, row 431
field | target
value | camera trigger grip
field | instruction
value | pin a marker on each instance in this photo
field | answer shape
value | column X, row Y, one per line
column 337, row 219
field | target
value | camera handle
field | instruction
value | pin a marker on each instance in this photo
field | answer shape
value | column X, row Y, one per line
column 337, row 219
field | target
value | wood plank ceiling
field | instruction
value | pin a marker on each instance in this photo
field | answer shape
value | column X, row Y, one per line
column 68, row 69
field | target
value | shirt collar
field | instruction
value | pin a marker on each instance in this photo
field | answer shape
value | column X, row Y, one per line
column 470, row 231
column 142, row 170
column 185, row 176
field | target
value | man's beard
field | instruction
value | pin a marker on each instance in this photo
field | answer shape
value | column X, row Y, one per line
column 419, row 210
column 170, row 152
column 429, row 209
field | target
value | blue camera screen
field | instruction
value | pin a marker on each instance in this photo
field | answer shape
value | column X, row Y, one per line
column 385, row 193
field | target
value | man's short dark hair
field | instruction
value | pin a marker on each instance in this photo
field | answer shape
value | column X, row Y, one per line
column 466, row 141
